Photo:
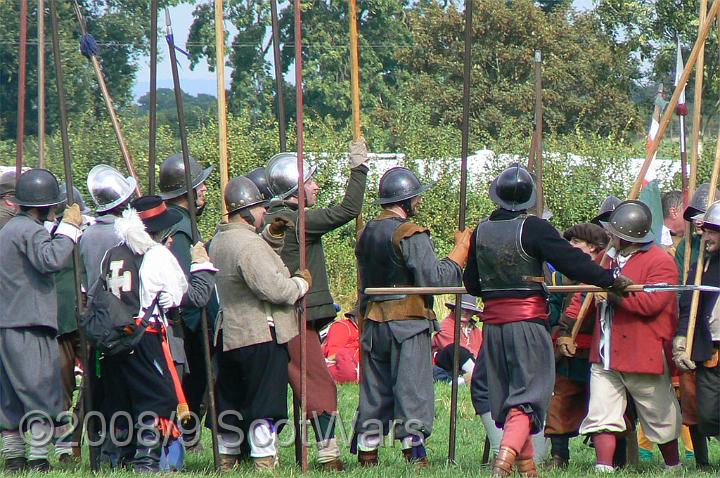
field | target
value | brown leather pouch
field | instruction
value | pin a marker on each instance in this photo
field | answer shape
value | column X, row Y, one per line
column 713, row 361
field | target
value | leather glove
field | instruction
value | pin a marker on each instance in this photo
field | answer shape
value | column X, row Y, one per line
column 198, row 253
column 459, row 253
column 72, row 215
column 279, row 225
column 165, row 301
column 358, row 153
column 566, row 346
column 304, row 274
column 680, row 354
column 619, row 285
column 183, row 413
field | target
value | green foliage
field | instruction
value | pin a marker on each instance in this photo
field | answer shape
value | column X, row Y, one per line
column 197, row 109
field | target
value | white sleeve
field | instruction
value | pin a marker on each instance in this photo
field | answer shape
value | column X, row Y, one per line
column 160, row 272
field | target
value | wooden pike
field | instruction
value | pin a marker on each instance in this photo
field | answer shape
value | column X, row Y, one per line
column 552, row 289
column 152, row 138
column 535, row 164
column 221, row 100
column 22, row 68
column 695, row 140
column 464, row 150
column 124, row 151
column 279, row 87
column 41, row 82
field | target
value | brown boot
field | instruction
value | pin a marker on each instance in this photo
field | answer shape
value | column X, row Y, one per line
column 368, row 458
column 527, row 468
column 335, row 465
column 557, row 463
column 228, row 462
column 264, row 463
column 503, row 463
column 419, row 462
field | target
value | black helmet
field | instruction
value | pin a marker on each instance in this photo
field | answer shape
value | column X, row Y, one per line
column 37, row 188
column 258, row 177
column 77, row 198
column 172, row 176
column 514, row 189
column 699, row 201
column 606, row 208
column 241, row 193
column 631, row 221
column 399, row 184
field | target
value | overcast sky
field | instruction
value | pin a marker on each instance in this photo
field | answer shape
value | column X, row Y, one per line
column 200, row 79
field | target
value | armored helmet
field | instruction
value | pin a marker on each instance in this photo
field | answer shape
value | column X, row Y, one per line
column 77, row 199
column 282, row 174
column 258, row 176
column 631, row 221
column 514, row 189
column 172, row 176
column 108, row 187
column 606, row 208
column 242, row 193
column 37, row 188
column 399, row 184
column 698, row 202
column 711, row 219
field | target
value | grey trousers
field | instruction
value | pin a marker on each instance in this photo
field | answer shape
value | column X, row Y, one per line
column 397, row 381
column 29, row 375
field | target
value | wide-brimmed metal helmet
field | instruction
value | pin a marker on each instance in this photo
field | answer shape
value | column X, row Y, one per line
column 108, row 187
column 77, row 199
column 606, row 208
column 631, row 221
column 514, row 189
column 172, row 176
column 242, row 193
column 698, row 203
column 37, row 188
column 282, row 174
column 259, row 177
column 399, row 184
column 711, row 219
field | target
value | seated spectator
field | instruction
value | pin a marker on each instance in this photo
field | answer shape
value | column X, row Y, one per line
column 341, row 349
column 442, row 370
column 470, row 333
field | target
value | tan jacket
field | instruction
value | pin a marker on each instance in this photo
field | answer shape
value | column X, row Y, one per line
column 253, row 284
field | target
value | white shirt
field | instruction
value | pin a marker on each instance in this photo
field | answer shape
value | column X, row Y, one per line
column 160, row 272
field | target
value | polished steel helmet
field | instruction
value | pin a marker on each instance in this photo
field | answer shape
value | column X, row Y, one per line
column 514, row 189
column 631, row 221
column 711, row 219
column 258, row 176
column 108, row 187
column 282, row 174
column 242, row 193
column 698, row 202
column 172, row 176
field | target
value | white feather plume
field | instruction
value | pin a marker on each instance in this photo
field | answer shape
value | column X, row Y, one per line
column 131, row 230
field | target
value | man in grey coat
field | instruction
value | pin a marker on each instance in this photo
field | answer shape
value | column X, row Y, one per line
column 29, row 356
column 396, row 389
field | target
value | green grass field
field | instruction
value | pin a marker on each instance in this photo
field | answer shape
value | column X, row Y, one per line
column 469, row 450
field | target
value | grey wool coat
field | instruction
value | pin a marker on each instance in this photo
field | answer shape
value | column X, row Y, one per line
column 253, row 283
column 29, row 257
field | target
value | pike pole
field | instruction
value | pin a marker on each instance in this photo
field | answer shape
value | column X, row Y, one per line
column 22, row 59
column 464, row 148
column 41, row 82
column 77, row 265
column 212, row 412
column 682, row 111
column 695, row 140
column 301, row 232
column 92, row 56
column 221, row 101
column 279, row 88
column 538, row 141
column 652, row 150
column 152, row 127
column 552, row 289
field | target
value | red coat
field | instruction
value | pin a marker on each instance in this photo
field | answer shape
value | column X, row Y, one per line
column 644, row 323
column 342, row 351
column 446, row 335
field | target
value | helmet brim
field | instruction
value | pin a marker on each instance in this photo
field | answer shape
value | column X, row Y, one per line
column 106, row 207
column 264, row 203
column 311, row 173
column 691, row 213
column 649, row 237
column 423, row 188
column 20, row 202
column 511, row 206
column 179, row 192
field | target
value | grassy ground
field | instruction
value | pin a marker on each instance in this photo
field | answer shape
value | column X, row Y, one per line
column 469, row 450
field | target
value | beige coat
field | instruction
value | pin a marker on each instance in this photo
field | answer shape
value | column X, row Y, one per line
column 253, row 284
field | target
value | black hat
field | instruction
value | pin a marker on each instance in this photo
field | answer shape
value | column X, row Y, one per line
column 37, row 188
column 514, row 189
column 155, row 214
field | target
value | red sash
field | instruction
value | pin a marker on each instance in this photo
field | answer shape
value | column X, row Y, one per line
column 506, row 311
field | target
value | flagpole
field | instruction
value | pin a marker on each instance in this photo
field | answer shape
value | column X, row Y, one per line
column 221, row 100
column 695, row 140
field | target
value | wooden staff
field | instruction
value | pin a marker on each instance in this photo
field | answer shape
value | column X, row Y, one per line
column 152, row 139
column 124, row 151
column 41, row 82
column 279, row 87
column 301, row 231
column 538, row 140
column 464, row 148
column 22, row 58
column 695, row 140
column 77, row 265
column 652, row 150
column 221, row 101
column 212, row 412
